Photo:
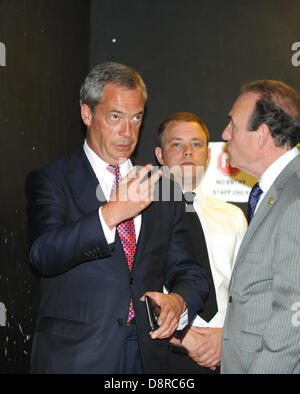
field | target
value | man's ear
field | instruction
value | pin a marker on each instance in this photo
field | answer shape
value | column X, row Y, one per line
column 208, row 156
column 86, row 115
column 159, row 156
column 263, row 134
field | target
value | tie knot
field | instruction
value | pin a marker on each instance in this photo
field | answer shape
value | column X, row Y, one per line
column 189, row 197
column 114, row 169
column 256, row 191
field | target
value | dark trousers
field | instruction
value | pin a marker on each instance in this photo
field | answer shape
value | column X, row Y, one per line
column 130, row 362
column 181, row 363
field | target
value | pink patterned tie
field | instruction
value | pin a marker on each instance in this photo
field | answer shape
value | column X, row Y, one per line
column 126, row 233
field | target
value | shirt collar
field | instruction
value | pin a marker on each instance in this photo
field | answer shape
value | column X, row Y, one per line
column 99, row 166
column 272, row 172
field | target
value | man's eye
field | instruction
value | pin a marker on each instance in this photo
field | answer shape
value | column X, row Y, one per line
column 137, row 118
column 114, row 117
column 231, row 123
column 176, row 145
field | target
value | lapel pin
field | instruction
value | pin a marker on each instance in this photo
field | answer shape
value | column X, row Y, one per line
column 271, row 200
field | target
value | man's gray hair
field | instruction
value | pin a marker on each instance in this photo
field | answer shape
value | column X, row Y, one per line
column 91, row 92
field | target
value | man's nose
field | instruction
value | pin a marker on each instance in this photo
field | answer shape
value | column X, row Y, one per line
column 187, row 150
column 226, row 135
column 127, row 128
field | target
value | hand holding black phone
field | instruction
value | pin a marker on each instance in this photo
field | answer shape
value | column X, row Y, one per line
column 153, row 311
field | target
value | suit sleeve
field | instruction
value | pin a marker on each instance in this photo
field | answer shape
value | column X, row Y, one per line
column 56, row 244
column 281, row 336
column 185, row 276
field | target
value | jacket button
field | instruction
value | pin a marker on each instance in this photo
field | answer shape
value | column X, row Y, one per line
column 120, row 322
column 131, row 281
column 230, row 299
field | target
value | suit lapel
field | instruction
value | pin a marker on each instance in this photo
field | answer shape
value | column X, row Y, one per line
column 261, row 213
column 84, row 183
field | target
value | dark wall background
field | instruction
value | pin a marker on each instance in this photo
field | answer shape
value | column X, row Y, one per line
column 46, row 58
column 193, row 55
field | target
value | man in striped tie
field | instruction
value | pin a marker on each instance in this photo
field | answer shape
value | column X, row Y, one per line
column 101, row 242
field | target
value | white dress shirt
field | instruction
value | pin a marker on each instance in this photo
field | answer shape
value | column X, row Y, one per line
column 272, row 172
column 224, row 226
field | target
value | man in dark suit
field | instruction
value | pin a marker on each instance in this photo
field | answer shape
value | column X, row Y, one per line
column 101, row 243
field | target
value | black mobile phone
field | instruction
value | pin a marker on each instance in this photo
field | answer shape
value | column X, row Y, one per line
column 152, row 312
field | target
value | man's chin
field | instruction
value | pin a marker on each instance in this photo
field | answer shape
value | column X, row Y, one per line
column 231, row 162
column 123, row 156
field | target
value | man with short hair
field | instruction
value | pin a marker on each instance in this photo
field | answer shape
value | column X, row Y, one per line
column 99, row 255
column 182, row 148
column 260, row 334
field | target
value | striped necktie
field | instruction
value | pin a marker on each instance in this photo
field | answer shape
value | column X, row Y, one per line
column 126, row 233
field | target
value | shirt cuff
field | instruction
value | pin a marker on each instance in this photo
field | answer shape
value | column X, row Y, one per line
column 108, row 233
column 183, row 321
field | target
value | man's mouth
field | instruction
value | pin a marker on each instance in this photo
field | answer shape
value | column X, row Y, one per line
column 188, row 163
column 123, row 147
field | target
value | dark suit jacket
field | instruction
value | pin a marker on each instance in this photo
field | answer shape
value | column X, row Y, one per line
column 86, row 285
